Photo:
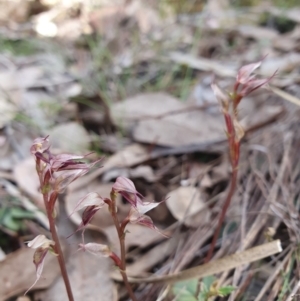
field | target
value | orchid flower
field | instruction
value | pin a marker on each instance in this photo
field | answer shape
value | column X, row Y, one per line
column 42, row 245
column 127, row 190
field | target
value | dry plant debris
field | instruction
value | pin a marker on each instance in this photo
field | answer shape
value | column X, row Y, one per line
column 129, row 82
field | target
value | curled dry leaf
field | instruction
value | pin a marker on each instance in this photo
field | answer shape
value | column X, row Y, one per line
column 186, row 204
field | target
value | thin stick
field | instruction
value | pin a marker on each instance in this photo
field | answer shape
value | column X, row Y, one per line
column 216, row 266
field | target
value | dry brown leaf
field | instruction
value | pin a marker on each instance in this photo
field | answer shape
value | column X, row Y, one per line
column 263, row 116
column 89, row 277
column 18, row 272
column 281, row 64
column 19, row 78
column 9, row 158
column 7, row 109
column 106, row 20
column 186, row 128
column 186, row 204
column 257, row 32
column 27, row 179
column 70, row 137
column 14, row 11
column 203, row 64
column 137, row 236
column 131, row 155
column 126, row 112
column 150, row 259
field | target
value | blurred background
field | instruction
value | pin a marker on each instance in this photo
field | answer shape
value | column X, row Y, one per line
column 129, row 80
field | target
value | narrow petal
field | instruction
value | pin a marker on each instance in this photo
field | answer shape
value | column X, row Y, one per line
column 254, row 85
column 88, row 214
column 132, row 198
column 91, row 199
column 38, row 259
column 222, row 98
column 238, row 129
column 147, row 222
column 126, row 188
column 244, row 74
column 96, row 249
column 123, row 184
column 144, row 207
column 61, row 180
column 40, row 145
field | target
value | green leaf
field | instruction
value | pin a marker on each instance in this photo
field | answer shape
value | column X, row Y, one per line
column 185, row 290
column 19, row 213
column 225, row 290
column 10, row 223
column 207, row 282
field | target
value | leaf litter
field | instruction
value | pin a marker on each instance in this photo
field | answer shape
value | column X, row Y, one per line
column 142, row 73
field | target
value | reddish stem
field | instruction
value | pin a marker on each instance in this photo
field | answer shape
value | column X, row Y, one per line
column 121, row 234
column 57, row 249
column 223, row 213
column 49, row 205
column 234, row 150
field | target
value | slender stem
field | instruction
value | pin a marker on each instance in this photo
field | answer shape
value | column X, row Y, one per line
column 58, row 250
column 121, row 236
column 223, row 213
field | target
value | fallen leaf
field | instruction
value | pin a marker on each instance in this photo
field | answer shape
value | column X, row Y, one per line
column 257, row 32
column 18, row 273
column 71, row 137
column 141, row 171
column 128, row 111
column 169, row 129
column 203, row 64
column 89, row 278
column 7, row 109
column 131, row 155
column 148, row 260
column 28, row 180
column 137, row 236
column 281, row 64
column 185, row 204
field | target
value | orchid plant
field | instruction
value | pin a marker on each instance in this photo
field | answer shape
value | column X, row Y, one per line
column 55, row 173
column 246, row 82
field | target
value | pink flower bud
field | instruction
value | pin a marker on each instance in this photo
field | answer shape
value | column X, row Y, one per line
column 248, row 82
column 244, row 74
column 126, row 188
column 254, row 84
column 40, row 145
column 91, row 199
column 137, row 215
